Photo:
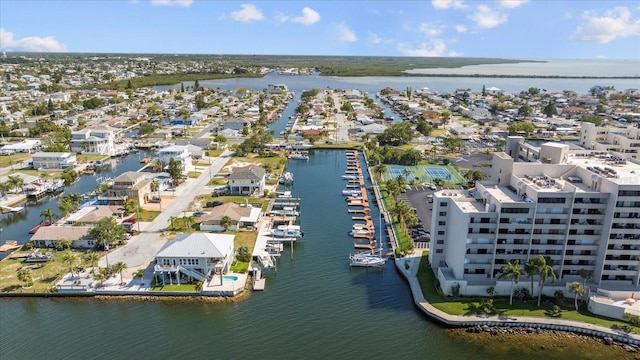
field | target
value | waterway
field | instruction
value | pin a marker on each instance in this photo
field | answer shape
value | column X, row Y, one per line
column 314, row 305
column 16, row 226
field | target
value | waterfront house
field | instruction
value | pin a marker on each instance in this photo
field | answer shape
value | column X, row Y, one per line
column 99, row 140
column 247, row 180
column 236, row 124
column 49, row 236
column 242, row 216
column 177, row 152
column 129, row 185
column 196, row 256
column 26, row 146
column 91, row 215
column 53, row 160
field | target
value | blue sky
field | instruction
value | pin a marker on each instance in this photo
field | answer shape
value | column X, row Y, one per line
column 522, row 29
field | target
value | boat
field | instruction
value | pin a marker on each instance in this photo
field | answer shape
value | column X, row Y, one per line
column 359, row 232
column 299, row 156
column 145, row 160
column 286, row 178
column 371, row 258
column 350, row 192
column 35, row 229
column 287, row 231
column 366, row 259
column 38, row 257
column 286, row 211
column 349, row 177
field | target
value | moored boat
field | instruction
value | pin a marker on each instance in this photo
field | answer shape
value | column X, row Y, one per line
column 287, row 231
column 350, row 192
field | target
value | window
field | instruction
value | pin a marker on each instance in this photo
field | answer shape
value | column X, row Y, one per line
column 443, row 203
column 441, row 232
column 555, row 221
column 440, row 242
column 442, row 213
column 546, row 200
column 514, row 210
column 438, row 251
column 539, row 221
column 485, row 220
column 441, row 223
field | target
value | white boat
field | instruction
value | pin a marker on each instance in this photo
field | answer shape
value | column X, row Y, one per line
column 359, row 232
column 371, row 258
column 349, row 177
column 286, row 211
column 366, row 259
column 361, row 226
column 287, row 178
column 287, row 231
column 299, row 156
column 350, row 192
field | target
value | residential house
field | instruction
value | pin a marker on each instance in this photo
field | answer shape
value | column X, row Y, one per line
column 242, row 216
column 247, row 180
column 129, row 185
column 91, row 215
column 196, row 256
column 99, row 140
column 49, row 236
column 177, row 152
column 53, row 160
column 26, row 146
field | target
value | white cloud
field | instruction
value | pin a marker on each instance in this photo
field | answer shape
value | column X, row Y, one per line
column 431, row 47
column 461, row 28
column 446, row 4
column 375, row 39
column 181, row 3
column 430, row 30
column 248, row 13
column 616, row 23
column 345, row 34
column 309, row 17
column 487, row 18
column 511, row 4
column 31, row 43
column 280, row 17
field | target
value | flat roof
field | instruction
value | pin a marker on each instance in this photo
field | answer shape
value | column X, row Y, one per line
column 626, row 173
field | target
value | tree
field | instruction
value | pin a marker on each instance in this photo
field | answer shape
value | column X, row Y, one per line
column 107, row 233
column 396, row 134
column 119, row 267
column 578, row 290
column 379, row 170
column 175, row 170
column 65, row 205
column 15, row 181
column 243, row 254
column 596, row 119
column 446, row 116
column 155, row 186
column 172, row 222
column 531, row 269
column 545, row 271
column 511, row 271
column 92, row 258
column 26, row 276
column 424, row 128
column 524, row 110
column 196, row 85
column 586, row 275
column 226, row 222
column 69, row 259
column 550, row 110
column 47, row 215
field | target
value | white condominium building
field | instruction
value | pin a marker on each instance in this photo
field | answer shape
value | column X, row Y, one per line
column 624, row 140
column 579, row 209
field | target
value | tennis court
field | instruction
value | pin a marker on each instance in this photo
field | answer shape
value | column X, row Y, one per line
column 397, row 171
column 439, row 173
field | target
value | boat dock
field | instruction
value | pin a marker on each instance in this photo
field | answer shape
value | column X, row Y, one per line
column 359, row 204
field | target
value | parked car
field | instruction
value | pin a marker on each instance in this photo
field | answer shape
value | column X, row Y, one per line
column 211, row 204
column 220, row 191
column 198, row 213
column 432, row 187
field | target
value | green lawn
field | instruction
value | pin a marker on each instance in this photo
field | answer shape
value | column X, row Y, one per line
column 9, row 160
column 466, row 306
column 240, row 267
column 174, row 288
column 147, row 215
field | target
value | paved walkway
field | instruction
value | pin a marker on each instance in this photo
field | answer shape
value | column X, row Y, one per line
column 496, row 320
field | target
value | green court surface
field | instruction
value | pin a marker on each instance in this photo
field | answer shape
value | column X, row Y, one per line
column 425, row 173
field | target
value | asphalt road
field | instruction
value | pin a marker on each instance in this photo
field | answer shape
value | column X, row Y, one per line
column 418, row 198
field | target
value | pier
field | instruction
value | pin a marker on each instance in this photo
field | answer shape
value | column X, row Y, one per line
column 360, row 202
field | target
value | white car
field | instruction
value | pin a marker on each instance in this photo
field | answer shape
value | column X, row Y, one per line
column 432, row 187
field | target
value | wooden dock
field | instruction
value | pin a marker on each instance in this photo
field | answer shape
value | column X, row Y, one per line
column 361, row 201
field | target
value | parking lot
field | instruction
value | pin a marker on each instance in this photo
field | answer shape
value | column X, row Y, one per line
column 418, row 197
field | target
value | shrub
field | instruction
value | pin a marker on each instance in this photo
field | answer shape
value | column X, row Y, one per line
column 455, row 290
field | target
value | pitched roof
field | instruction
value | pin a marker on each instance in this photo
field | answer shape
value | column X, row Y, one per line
column 198, row 245
column 232, row 210
column 251, row 172
column 129, row 176
column 61, row 233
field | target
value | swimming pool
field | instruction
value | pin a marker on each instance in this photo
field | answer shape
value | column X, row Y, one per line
column 230, row 277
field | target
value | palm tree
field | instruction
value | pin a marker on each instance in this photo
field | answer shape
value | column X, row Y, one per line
column 92, row 258
column 545, row 272
column 25, row 275
column 66, row 206
column 47, row 215
column 16, row 182
column 188, row 221
column 69, row 258
column 155, row 186
column 586, row 275
column 119, row 267
column 379, row 170
column 531, row 269
column 172, row 222
column 511, row 271
column 577, row 289
column 226, row 222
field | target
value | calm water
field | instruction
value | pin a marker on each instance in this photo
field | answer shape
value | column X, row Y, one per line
column 598, row 67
